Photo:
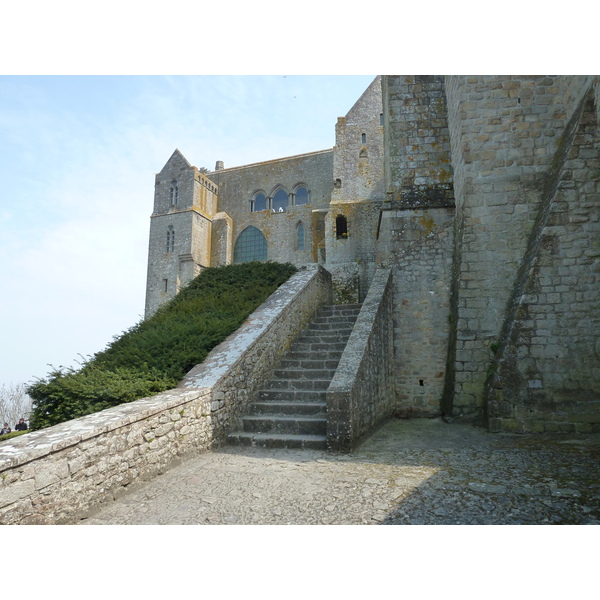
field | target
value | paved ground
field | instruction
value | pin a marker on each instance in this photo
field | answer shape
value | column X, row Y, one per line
column 408, row 472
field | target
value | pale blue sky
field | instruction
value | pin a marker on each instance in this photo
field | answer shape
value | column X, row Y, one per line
column 77, row 164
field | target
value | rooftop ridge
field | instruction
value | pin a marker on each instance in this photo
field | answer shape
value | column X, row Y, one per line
column 263, row 162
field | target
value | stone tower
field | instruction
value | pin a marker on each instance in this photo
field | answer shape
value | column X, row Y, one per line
column 185, row 203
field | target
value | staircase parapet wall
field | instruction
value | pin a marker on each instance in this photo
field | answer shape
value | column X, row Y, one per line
column 361, row 393
column 62, row 473
column 239, row 366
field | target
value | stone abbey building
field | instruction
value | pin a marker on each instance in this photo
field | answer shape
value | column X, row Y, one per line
column 480, row 193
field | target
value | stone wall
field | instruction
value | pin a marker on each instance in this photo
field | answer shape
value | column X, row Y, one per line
column 546, row 376
column 361, row 393
column 238, row 185
column 58, row 474
column 420, row 256
column 505, row 135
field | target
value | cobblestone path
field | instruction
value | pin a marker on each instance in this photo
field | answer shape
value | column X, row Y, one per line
column 408, row 472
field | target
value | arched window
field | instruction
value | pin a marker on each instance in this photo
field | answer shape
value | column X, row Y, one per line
column 250, row 245
column 363, row 138
column 174, row 193
column 301, row 196
column 280, row 200
column 170, row 239
column 300, row 236
column 258, row 203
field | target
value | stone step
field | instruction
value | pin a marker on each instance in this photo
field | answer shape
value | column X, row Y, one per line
column 304, row 425
column 297, row 384
column 321, row 338
column 283, row 407
column 281, row 440
column 319, row 355
column 337, row 319
column 317, row 374
column 308, row 363
column 329, row 326
column 291, row 409
column 289, row 395
column 319, row 347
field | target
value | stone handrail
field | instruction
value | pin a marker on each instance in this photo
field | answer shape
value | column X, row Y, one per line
column 361, row 393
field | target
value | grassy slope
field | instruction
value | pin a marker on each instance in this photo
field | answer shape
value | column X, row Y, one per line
column 155, row 354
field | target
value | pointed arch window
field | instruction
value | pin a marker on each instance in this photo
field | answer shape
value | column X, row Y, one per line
column 300, row 236
column 250, row 245
column 170, row 239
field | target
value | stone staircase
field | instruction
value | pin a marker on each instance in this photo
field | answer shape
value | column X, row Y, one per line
column 291, row 410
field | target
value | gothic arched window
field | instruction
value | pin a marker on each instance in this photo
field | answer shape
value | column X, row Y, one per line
column 250, row 245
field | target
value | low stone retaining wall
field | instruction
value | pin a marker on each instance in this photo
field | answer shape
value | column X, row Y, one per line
column 59, row 474
column 361, row 393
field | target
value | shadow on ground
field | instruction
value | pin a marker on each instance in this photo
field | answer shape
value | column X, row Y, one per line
column 407, row 472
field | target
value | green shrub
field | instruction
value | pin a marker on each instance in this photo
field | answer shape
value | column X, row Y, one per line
column 154, row 355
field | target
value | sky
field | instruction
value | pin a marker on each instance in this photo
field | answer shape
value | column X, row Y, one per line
column 78, row 156
column 94, row 99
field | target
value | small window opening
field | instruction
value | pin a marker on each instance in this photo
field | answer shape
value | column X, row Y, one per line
column 300, row 236
column 421, row 382
column 381, row 119
column 170, row 239
column 174, row 193
column 337, row 184
column 364, row 138
column 165, row 285
column 341, row 227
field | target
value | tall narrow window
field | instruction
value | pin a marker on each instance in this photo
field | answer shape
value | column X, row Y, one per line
column 170, row 239
column 364, row 138
column 300, row 236
column 174, row 193
column 341, row 227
